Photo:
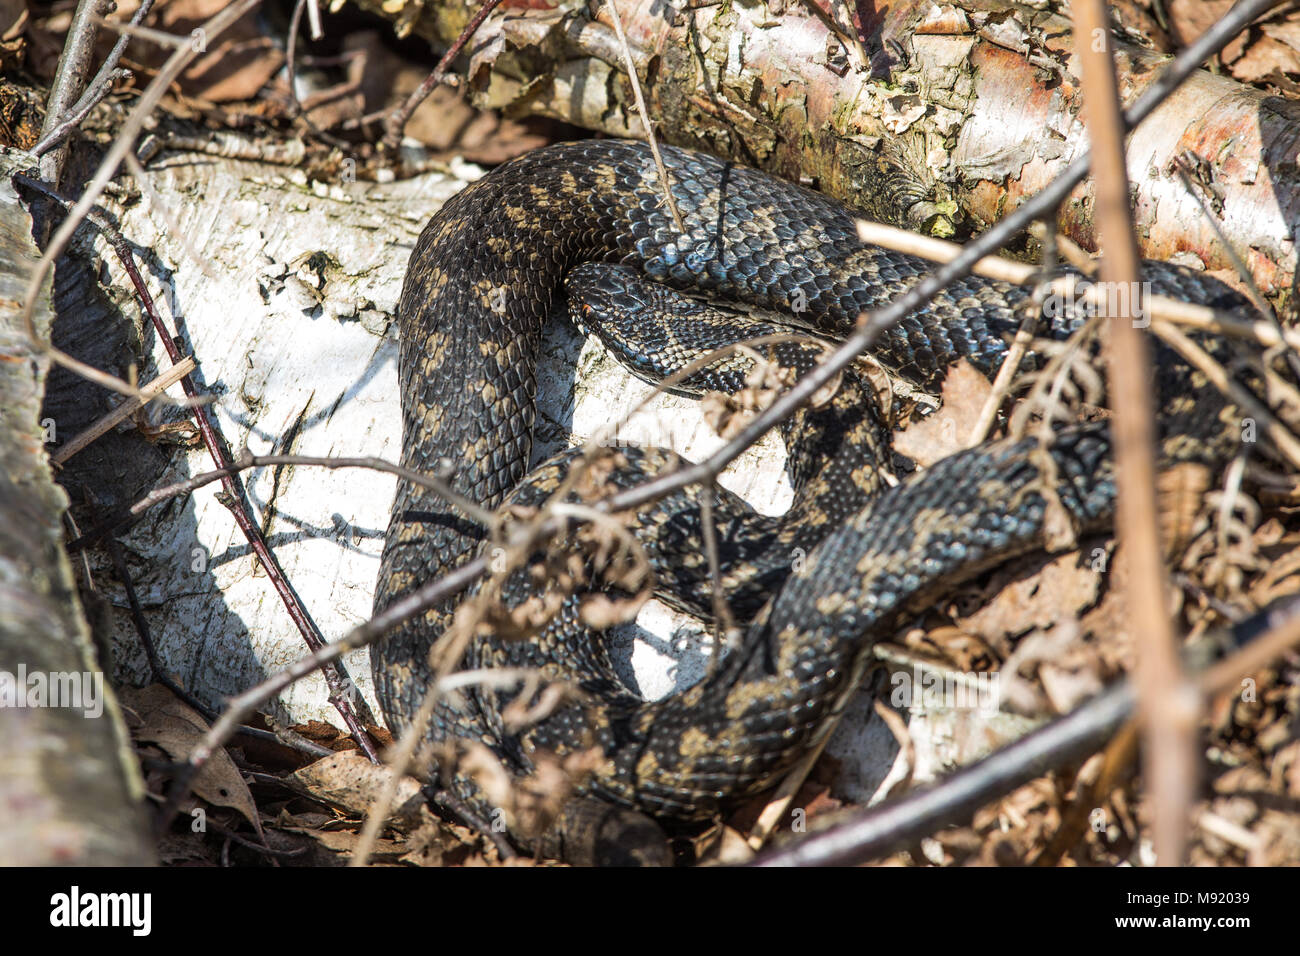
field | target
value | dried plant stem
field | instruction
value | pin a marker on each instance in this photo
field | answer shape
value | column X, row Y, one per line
column 58, row 129
column 1169, row 709
column 94, row 93
column 785, row 793
column 632, row 78
column 1002, row 382
column 1021, row 273
column 124, row 411
column 162, row 38
column 291, row 55
column 1281, row 633
column 245, row 461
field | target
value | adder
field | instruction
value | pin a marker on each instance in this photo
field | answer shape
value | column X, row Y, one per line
column 584, row 226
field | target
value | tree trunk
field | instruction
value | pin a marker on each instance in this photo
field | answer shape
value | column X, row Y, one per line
column 70, row 789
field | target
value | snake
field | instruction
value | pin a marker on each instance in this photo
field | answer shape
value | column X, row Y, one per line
column 584, row 228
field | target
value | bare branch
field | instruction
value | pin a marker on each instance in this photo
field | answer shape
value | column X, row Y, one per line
column 70, row 80
column 398, row 119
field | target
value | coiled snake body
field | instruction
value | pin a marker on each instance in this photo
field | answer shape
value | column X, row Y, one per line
column 486, row 273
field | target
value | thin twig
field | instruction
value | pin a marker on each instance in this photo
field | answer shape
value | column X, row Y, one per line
column 1076, row 816
column 900, row 823
column 398, row 118
column 94, row 93
column 162, row 38
column 1069, row 250
column 1002, row 381
column 313, row 20
column 246, row 460
column 786, row 791
column 1020, row 344
column 148, row 392
column 291, row 52
column 1022, row 273
column 119, row 48
column 457, row 807
column 664, row 180
column 98, row 87
column 1266, row 637
column 70, row 80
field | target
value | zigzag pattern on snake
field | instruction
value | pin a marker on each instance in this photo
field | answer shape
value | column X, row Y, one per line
column 485, row 275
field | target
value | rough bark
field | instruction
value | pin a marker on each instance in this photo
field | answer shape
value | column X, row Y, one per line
column 959, row 112
column 69, row 787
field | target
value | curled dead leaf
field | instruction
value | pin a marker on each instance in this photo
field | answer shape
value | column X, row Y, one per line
column 948, row 430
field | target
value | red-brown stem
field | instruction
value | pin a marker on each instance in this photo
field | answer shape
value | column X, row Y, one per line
column 398, row 119
column 233, row 486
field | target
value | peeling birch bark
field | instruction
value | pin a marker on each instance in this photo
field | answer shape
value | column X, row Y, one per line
column 964, row 110
column 70, row 789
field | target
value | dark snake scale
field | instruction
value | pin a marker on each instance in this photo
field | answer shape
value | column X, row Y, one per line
column 491, row 268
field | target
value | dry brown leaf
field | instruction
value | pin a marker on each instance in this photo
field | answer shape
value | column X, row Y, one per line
column 1180, row 494
column 1284, row 31
column 352, row 783
column 1263, row 58
column 158, row 717
column 724, row 846
column 232, row 68
column 1188, row 19
column 1061, row 589
column 949, row 429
